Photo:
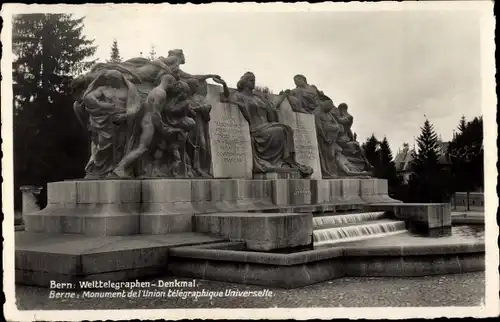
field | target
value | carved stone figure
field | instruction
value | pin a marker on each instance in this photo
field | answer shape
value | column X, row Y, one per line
column 350, row 149
column 179, row 114
column 198, row 140
column 305, row 98
column 272, row 142
column 327, row 131
column 175, row 59
column 349, row 169
column 152, row 142
column 347, row 121
column 108, row 105
column 150, row 123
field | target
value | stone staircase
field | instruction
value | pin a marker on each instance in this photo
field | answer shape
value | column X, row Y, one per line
column 333, row 229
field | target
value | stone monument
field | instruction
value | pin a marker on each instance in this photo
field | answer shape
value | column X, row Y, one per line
column 171, row 153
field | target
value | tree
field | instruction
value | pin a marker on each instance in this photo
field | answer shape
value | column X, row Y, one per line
column 371, row 149
column 152, row 53
column 115, row 53
column 428, row 182
column 49, row 49
column 467, row 156
column 388, row 166
column 463, row 124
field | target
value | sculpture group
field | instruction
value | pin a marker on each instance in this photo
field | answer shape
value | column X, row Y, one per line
column 151, row 119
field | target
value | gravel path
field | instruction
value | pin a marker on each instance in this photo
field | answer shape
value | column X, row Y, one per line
column 446, row 290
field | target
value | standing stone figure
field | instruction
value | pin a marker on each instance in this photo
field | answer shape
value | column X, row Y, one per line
column 109, row 103
column 305, row 98
column 151, row 126
column 272, row 142
column 327, row 132
column 179, row 114
column 199, row 141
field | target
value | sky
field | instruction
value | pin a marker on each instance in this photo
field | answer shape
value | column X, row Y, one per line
column 392, row 68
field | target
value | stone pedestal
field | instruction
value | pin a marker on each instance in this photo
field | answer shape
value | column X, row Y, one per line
column 29, row 198
column 93, row 208
column 163, row 206
column 259, row 231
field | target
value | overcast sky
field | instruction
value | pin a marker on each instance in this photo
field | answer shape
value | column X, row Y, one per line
column 390, row 67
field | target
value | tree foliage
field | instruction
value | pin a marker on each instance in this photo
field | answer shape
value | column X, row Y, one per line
column 429, row 182
column 380, row 156
column 467, row 155
column 388, row 166
column 115, row 53
column 371, row 149
column 49, row 144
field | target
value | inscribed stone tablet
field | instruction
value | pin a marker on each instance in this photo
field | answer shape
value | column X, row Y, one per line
column 229, row 139
column 304, row 136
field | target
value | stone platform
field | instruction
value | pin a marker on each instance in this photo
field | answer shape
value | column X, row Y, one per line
column 404, row 255
column 161, row 206
column 40, row 258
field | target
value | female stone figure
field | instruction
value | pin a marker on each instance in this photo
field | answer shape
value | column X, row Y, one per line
column 199, row 142
column 272, row 142
column 109, row 103
column 327, row 132
column 305, row 98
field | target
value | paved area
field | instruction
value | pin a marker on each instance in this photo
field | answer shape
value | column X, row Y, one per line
column 446, row 290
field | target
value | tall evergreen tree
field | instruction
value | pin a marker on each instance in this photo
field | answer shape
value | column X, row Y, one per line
column 462, row 126
column 371, row 149
column 115, row 53
column 152, row 53
column 428, row 181
column 388, row 166
column 386, row 157
column 467, row 156
column 49, row 49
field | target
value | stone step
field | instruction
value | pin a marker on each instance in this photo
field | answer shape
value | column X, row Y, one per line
column 346, row 219
column 375, row 228
column 353, row 224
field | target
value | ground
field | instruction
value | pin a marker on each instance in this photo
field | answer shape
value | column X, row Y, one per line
column 445, row 290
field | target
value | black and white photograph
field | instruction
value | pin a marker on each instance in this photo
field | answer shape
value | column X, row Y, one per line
column 225, row 161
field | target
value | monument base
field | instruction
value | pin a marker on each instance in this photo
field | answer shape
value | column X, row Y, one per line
column 161, row 206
